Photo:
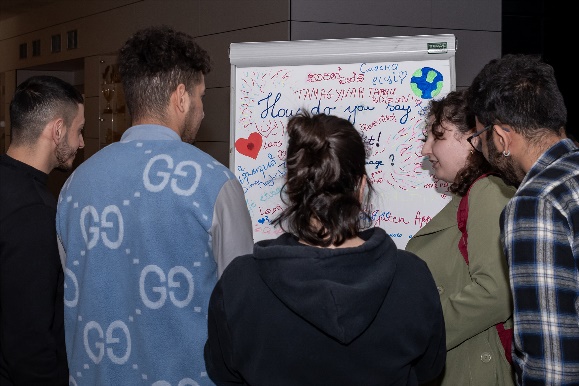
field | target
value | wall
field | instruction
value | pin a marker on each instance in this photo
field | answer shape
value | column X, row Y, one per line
column 105, row 24
column 476, row 24
column 541, row 27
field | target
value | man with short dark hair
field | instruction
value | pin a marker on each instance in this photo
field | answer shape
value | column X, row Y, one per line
column 47, row 119
column 521, row 119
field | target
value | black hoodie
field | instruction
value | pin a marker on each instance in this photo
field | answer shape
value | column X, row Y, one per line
column 292, row 314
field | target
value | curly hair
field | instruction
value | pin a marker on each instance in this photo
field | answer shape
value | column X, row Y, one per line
column 453, row 109
column 326, row 164
column 153, row 62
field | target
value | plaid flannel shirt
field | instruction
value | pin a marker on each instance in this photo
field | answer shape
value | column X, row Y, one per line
column 540, row 231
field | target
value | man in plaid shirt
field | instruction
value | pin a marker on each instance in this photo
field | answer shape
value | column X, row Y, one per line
column 521, row 119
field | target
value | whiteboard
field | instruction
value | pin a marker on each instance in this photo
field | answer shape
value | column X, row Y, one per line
column 382, row 85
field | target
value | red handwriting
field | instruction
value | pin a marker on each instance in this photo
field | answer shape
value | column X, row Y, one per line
column 272, row 144
column 421, row 220
column 314, row 93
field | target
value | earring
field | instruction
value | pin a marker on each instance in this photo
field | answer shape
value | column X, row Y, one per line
column 506, row 153
column 471, row 151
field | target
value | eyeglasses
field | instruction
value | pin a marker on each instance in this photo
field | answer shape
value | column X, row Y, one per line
column 478, row 147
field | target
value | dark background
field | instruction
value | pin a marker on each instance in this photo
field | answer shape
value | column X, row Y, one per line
column 543, row 27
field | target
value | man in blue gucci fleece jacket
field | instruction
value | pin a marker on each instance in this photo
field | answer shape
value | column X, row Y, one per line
column 147, row 225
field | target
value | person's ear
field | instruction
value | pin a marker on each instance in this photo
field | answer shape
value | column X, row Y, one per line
column 476, row 141
column 504, row 137
column 181, row 96
column 362, row 189
column 57, row 130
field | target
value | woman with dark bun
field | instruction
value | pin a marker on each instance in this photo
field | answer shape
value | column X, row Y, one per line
column 327, row 302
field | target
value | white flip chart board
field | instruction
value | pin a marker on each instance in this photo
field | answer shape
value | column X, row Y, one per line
column 381, row 84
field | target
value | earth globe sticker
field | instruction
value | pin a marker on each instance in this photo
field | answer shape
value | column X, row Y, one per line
column 426, row 82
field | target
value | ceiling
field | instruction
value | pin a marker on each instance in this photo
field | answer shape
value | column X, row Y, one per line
column 10, row 8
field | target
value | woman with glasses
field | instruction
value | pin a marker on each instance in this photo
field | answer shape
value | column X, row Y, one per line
column 462, row 248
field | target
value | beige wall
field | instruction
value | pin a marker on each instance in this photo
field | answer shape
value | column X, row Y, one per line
column 105, row 24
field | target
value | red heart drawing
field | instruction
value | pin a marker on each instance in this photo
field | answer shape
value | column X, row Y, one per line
column 250, row 146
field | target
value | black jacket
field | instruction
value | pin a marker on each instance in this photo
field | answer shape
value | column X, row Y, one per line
column 292, row 314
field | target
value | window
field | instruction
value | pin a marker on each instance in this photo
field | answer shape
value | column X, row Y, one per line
column 36, row 47
column 23, row 49
column 55, row 43
column 71, row 39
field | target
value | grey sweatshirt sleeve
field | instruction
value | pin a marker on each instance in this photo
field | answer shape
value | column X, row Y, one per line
column 231, row 229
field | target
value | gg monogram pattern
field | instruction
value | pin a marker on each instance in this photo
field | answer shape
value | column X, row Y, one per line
column 136, row 223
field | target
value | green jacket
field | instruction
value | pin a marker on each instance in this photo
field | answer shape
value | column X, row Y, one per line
column 474, row 297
